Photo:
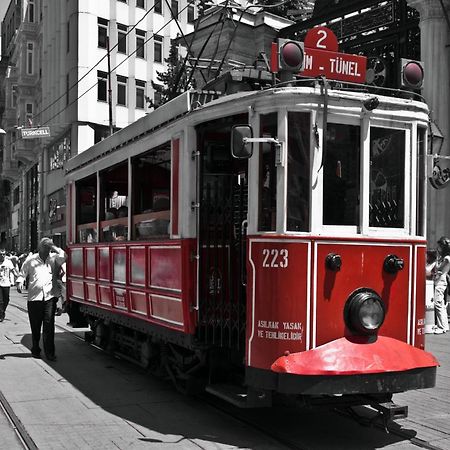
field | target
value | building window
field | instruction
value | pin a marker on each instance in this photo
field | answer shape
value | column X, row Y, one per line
column 158, row 7
column 16, row 196
column 29, row 114
column 14, row 96
column 102, row 78
column 190, row 14
column 30, row 54
column 122, row 38
column 102, row 32
column 174, row 8
column 140, row 94
column 30, row 10
column 140, row 44
column 140, row 3
column 158, row 48
column 121, row 90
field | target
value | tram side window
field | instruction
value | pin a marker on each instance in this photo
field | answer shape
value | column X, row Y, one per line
column 114, row 201
column 298, row 188
column 151, row 193
column 267, row 175
column 387, row 178
column 341, row 181
column 86, row 210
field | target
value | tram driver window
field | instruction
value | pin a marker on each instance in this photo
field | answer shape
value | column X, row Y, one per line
column 86, row 210
column 341, row 184
column 387, row 177
column 151, row 193
column 114, row 211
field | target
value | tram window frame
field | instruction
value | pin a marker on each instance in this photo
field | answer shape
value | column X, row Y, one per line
column 298, row 201
column 114, row 208
column 151, row 200
column 267, row 174
column 351, row 221
column 86, row 221
column 421, row 186
column 403, row 222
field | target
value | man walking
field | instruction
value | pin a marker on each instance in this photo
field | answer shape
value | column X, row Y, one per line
column 6, row 270
column 41, row 269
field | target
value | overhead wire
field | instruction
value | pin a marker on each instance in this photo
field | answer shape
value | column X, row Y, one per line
column 96, row 64
column 118, row 65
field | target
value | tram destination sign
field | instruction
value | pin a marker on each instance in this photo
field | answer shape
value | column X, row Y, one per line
column 334, row 65
column 33, row 133
column 323, row 58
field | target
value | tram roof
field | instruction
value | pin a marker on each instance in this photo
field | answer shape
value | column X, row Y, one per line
column 193, row 101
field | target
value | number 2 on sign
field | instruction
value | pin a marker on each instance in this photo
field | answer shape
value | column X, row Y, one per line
column 275, row 258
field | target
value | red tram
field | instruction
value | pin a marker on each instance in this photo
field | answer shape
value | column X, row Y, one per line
column 260, row 242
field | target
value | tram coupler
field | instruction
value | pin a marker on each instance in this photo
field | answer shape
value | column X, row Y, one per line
column 388, row 412
column 391, row 411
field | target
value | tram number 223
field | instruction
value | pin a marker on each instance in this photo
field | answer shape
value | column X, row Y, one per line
column 274, row 258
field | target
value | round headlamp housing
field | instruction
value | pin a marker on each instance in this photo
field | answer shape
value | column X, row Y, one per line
column 364, row 311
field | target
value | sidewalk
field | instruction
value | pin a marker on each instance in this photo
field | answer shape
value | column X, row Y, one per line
column 429, row 409
column 87, row 401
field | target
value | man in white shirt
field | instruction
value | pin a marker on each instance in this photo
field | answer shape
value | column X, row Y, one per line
column 7, row 269
column 42, row 270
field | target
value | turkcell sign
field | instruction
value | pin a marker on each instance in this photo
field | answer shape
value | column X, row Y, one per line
column 334, row 65
column 32, row 133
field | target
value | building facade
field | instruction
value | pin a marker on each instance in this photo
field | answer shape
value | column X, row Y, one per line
column 78, row 69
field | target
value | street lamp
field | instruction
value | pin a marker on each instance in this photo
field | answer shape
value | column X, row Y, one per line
column 440, row 178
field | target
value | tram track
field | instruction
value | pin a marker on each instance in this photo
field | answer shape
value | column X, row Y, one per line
column 18, row 427
column 219, row 406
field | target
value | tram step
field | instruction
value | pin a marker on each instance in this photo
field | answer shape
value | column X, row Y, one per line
column 391, row 411
column 240, row 396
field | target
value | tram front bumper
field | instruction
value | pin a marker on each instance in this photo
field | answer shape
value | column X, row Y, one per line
column 356, row 365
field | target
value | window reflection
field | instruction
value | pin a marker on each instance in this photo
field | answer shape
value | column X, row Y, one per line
column 341, row 183
column 387, row 177
column 151, row 187
column 87, row 210
column 267, row 175
column 114, row 214
column 298, row 171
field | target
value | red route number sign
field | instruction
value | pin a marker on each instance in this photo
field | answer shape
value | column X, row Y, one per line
column 322, row 58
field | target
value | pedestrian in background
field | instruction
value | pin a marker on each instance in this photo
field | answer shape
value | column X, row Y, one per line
column 42, row 268
column 439, row 270
column 8, row 273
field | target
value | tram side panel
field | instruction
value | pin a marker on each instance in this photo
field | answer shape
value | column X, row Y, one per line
column 150, row 281
column 278, row 299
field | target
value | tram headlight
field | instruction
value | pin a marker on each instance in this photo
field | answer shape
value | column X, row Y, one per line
column 364, row 311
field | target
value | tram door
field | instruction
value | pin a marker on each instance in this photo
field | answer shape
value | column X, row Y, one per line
column 223, row 194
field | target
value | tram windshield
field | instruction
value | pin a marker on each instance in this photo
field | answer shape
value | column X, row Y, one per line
column 387, row 177
column 341, row 167
column 298, row 182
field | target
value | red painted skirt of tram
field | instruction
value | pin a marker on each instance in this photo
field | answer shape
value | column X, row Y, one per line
column 296, row 303
column 152, row 281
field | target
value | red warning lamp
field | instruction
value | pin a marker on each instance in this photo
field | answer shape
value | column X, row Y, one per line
column 412, row 74
column 291, row 55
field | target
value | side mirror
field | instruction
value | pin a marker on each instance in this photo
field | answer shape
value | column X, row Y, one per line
column 239, row 148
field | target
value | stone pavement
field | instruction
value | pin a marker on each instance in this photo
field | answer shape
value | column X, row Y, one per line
column 87, row 401
column 429, row 409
